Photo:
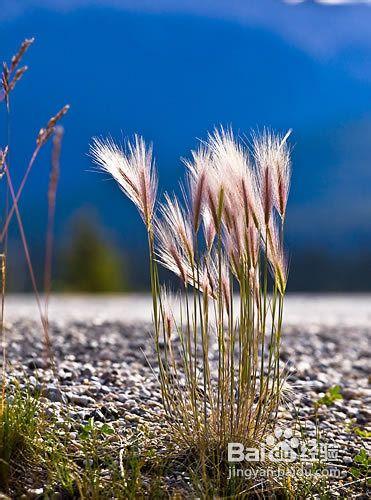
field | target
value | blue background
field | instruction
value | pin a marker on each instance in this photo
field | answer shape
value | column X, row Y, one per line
column 171, row 71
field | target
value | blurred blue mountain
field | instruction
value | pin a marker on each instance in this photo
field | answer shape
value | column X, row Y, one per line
column 172, row 78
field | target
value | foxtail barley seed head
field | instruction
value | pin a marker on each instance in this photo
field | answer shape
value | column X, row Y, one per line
column 133, row 169
column 282, row 174
column 233, row 172
column 197, row 173
column 272, row 156
column 263, row 160
column 179, row 225
column 169, row 252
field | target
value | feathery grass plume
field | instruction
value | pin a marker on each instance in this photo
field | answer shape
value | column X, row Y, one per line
column 263, row 151
column 282, row 175
column 208, row 227
column 170, row 254
column 227, row 169
column 174, row 252
column 197, row 168
column 179, row 224
column 272, row 156
column 224, row 383
column 235, row 172
column 133, row 169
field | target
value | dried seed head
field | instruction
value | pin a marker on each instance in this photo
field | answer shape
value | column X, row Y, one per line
column 7, row 82
column 3, row 155
column 18, row 75
column 18, row 56
column 45, row 133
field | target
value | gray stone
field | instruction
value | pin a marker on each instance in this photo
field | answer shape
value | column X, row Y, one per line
column 81, row 400
column 54, row 394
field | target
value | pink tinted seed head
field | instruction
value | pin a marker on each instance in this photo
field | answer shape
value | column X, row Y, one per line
column 179, row 223
column 198, row 168
column 272, row 157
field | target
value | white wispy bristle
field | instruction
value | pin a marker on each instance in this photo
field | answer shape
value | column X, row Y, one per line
column 132, row 168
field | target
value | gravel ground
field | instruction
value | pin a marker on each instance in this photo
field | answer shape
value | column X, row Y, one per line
column 103, row 366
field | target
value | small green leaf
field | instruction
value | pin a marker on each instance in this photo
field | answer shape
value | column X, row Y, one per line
column 107, row 429
column 355, row 472
column 362, row 458
column 333, row 394
column 88, row 428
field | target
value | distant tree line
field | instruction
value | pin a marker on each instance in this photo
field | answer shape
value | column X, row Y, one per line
column 90, row 261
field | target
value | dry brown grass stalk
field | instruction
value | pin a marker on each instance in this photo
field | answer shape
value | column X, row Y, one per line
column 52, row 192
column 11, row 74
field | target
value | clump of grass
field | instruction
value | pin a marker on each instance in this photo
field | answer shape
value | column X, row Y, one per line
column 101, row 463
column 22, row 425
column 361, row 466
column 95, row 463
column 81, row 466
column 222, row 243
